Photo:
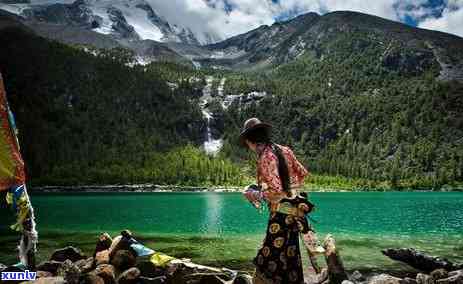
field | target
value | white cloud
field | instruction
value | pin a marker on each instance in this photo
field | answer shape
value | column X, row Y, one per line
column 451, row 20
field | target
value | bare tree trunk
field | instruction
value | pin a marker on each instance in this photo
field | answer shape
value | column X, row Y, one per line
column 420, row 260
column 336, row 271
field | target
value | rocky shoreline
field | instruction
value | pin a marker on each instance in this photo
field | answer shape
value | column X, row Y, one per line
column 126, row 188
column 131, row 188
column 117, row 261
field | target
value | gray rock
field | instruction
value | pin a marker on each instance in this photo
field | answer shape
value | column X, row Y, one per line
column 347, row 282
column 130, row 276
column 70, row 272
column 71, row 253
column 424, row 279
column 50, row 266
column 384, row 279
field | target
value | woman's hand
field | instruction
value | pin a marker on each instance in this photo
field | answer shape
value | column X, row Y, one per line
column 254, row 194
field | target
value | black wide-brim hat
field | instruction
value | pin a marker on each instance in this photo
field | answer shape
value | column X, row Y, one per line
column 249, row 126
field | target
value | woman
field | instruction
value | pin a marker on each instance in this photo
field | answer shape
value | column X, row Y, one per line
column 279, row 175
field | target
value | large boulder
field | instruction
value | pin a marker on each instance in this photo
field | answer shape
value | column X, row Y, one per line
column 104, row 243
column 123, row 260
column 71, row 253
column 50, row 266
column 130, row 276
column 384, row 279
column 107, row 272
column 70, row 272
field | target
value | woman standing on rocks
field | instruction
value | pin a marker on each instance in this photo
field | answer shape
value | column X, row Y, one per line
column 279, row 175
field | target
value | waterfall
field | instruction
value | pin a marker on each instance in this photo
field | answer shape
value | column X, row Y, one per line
column 211, row 146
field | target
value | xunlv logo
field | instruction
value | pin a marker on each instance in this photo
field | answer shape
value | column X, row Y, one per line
column 26, row 275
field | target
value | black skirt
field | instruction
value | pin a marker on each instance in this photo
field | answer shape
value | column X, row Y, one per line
column 279, row 259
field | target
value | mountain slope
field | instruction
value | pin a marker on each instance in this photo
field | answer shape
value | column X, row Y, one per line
column 354, row 95
column 122, row 19
column 405, row 48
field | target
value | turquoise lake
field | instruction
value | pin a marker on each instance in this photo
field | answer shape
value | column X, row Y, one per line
column 223, row 229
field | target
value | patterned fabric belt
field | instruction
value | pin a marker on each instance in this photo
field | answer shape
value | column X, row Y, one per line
column 287, row 208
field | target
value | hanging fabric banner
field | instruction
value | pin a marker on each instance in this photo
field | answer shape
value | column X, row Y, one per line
column 11, row 162
column 13, row 179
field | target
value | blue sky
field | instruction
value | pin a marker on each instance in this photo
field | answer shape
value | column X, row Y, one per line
column 226, row 18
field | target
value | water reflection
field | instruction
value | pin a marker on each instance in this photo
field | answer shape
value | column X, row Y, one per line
column 212, row 221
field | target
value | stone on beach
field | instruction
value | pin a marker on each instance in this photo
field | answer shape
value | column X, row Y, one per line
column 148, row 269
column 384, row 279
column 123, row 259
column 85, row 265
column 121, row 242
column 455, row 277
column 102, row 257
column 422, row 278
column 107, row 272
column 91, row 278
column 130, row 276
column 69, row 271
column 47, row 280
column 439, row 274
column 42, row 274
column 51, row 266
column 71, row 253
column 155, row 280
column 104, row 243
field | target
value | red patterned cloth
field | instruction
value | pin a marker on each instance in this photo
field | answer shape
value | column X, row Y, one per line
column 267, row 172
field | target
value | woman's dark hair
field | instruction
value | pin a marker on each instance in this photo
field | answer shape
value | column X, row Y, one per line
column 282, row 169
column 259, row 135
column 262, row 136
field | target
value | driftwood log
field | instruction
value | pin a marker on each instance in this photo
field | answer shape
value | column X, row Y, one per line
column 420, row 260
column 336, row 270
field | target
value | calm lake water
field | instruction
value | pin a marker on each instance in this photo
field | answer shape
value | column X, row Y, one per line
column 222, row 228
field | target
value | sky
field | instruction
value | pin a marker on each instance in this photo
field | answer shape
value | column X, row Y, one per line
column 226, row 18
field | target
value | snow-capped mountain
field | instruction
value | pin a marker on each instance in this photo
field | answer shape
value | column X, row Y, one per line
column 123, row 19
